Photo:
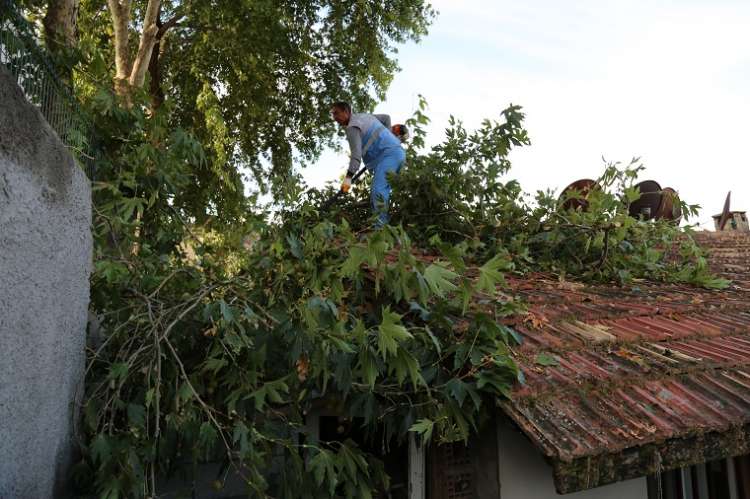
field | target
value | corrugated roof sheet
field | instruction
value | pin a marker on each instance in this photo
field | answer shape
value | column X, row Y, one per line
column 648, row 377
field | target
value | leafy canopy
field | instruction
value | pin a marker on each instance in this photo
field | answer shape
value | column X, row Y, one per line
column 212, row 351
column 221, row 325
column 253, row 80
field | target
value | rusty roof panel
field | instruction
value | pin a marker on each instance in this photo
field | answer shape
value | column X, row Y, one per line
column 638, row 367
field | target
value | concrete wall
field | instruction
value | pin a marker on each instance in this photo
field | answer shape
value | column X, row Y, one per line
column 45, row 261
column 525, row 475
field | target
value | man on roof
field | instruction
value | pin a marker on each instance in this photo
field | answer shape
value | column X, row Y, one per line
column 372, row 140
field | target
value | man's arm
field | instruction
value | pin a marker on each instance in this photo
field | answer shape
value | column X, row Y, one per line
column 354, row 137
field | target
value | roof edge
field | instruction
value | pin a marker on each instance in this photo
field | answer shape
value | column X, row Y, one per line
column 594, row 471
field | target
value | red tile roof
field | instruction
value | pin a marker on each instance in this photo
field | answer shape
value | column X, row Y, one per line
column 649, row 376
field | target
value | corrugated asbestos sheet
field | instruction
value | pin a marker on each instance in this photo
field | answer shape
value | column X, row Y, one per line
column 645, row 378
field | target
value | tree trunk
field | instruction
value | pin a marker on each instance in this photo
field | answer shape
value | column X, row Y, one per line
column 120, row 11
column 132, row 73
column 60, row 31
column 60, row 24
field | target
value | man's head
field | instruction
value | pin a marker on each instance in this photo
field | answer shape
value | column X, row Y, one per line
column 341, row 112
column 400, row 131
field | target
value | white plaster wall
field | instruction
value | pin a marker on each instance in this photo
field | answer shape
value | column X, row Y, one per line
column 45, row 261
column 525, row 475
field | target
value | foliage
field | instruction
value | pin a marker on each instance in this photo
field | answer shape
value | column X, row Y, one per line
column 196, row 365
column 457, row 193
column 604, row 243
column 253, row 80
column 402, row 328
column 221, row 325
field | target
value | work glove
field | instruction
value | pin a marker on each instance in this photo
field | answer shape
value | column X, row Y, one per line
column 347, row 184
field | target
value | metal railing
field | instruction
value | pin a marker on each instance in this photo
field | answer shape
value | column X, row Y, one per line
column 35, row 73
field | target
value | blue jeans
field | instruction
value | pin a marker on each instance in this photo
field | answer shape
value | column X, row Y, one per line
column 390, row 160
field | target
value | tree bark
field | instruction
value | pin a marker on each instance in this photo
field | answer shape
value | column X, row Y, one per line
column 120, row 11
column 131, row 73
column 146, row 45
column 61, row 23
column 60, row 31
column 154, row 71
column 154, row 66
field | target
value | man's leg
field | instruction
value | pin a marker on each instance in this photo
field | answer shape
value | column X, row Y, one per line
column 381, row 189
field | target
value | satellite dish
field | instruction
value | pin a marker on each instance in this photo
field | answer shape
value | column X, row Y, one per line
column 646, row 206
column 582, row 188
column 669, row 207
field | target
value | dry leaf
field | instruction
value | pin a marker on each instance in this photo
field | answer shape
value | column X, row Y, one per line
column 303, row 367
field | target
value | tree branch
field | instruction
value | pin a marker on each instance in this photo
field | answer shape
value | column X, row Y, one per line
column 154, row 66
column 170, row 23
column 146, row 45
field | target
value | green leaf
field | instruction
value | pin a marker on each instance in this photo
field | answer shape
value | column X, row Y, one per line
column 457, row 389
column 270, row 392
column 424, row 428
column 346, row 457
column 137, row 415
column 295, row 246
column 544, row 359
column 434, row 339
column 440, row 279
column 405, row 364
column 100, row 449
column 275, row 389
column 340, row 343
column 185, row 393
column 632, row 194
column 207, row 436
column 359, row 332
column 112, row 271
column 240, row 435
column 490, row 274
column 322, row 466
column 351, row 266
column 129, row 205
column 368, row 365
column 391, row 333
column 213, row 364
column 118, row 371
column 376, row 248
column 498, row 385
column 713, row 282
column 514, row 334
column 474, row 396
column 227, row 312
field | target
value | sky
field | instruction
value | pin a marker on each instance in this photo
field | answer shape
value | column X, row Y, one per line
column 666, row 81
